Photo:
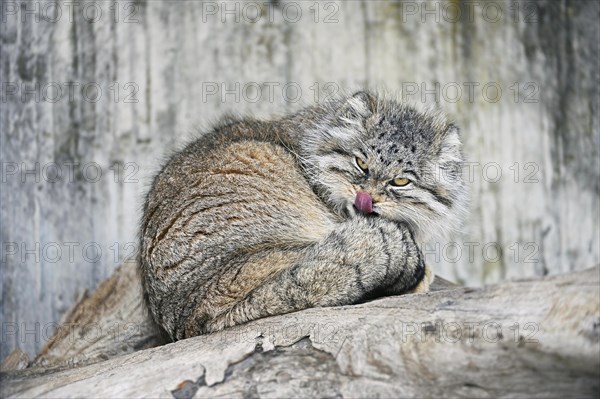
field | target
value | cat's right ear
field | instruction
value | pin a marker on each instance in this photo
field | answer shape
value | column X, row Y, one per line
column 359, row 106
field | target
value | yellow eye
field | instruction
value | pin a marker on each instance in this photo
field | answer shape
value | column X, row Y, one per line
column 400, row 182
column 362, row 164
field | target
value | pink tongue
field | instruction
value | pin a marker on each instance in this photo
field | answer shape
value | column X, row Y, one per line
column 363, row 202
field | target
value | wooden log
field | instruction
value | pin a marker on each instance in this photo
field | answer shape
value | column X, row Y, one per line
column 537, row 338
column 17, row 360
column 113, row 321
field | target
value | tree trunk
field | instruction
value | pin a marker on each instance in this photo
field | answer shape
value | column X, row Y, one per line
column 534, row 338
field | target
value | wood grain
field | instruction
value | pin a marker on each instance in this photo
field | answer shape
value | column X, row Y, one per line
column 496, row 341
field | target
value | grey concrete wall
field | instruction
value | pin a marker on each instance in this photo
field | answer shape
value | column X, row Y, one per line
column 110, row 88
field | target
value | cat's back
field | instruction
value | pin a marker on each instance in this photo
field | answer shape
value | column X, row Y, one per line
column 214, row 191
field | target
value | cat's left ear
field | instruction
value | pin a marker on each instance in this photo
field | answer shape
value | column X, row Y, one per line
column 359, row 106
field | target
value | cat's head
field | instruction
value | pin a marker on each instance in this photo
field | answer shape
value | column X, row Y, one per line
column 374, row 156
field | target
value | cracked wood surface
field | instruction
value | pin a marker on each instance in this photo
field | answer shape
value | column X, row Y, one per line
column 537, row 338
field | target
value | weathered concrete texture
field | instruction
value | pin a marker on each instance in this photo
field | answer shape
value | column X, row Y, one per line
column 157, row 63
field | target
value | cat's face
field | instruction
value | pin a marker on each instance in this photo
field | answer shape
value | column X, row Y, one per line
column 382, row 159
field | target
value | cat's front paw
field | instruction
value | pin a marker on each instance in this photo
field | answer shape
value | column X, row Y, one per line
column 423, row 285
column 423, row 281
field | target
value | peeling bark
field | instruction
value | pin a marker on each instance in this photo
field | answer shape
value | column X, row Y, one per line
column 534, row 338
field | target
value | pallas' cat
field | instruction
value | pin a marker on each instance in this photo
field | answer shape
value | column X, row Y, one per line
column 327, row 206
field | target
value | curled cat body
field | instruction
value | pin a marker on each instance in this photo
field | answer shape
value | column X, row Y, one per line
column 328, row 206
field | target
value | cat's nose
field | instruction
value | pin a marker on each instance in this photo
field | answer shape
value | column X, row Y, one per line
column 363, row 202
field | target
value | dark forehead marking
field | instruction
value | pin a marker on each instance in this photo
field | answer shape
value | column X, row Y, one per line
column 405, row 123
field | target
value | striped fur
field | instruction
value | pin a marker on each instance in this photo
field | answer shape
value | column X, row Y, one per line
column 255, row 218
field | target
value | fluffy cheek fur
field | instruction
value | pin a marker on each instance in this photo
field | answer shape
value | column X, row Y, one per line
column 424, row 223
column 427, row 217
column 337, row 191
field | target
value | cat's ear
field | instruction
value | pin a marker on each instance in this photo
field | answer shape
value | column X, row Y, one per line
column 451, row 146
column 359, row 106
